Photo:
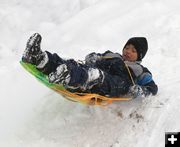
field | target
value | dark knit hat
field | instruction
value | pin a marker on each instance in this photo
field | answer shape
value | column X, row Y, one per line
column 140, row 44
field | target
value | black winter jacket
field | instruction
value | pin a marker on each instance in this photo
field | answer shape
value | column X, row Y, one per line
column 117, row 78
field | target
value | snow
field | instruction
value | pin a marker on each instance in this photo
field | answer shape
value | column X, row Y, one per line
column 31, row 115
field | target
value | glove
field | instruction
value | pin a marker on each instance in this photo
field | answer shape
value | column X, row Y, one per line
column 136, row 91
column 92, row 58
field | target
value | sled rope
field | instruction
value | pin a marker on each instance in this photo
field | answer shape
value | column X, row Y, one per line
column 130, row 74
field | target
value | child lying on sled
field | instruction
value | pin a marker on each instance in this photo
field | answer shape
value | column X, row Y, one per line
column 109, row 74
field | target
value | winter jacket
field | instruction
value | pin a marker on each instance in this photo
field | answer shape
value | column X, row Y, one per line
column 117, row 78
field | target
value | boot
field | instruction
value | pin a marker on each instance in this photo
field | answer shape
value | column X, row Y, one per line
column 60, row 76
column 95, row 77
column 33, row 53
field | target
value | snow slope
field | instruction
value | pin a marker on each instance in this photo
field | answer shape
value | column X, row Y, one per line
column 31, row 115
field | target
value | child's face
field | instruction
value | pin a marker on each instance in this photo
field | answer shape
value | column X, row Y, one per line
column 129, row 53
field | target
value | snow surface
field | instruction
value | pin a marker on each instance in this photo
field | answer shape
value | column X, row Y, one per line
column 31, row 115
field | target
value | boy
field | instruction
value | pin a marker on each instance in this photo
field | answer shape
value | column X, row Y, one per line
column 108, row 74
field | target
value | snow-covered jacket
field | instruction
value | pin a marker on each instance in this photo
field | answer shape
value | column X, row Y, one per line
column 115, row 70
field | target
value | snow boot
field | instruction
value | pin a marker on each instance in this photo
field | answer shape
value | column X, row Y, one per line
column 60, row 76
column 33, row 53
column 95, row 77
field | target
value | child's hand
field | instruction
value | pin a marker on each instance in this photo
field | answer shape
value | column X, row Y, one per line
column 136, row 91
column 92, row 58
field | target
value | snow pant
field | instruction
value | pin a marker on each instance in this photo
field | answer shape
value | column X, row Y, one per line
column 112, row 85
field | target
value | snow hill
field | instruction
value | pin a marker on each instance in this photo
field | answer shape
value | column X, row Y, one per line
column 31, row 115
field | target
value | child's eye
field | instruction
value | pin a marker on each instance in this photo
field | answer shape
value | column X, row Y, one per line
column 134, row 51
column 126, row 48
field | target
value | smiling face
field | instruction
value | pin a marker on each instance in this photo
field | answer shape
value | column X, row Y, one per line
column 129, row 53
